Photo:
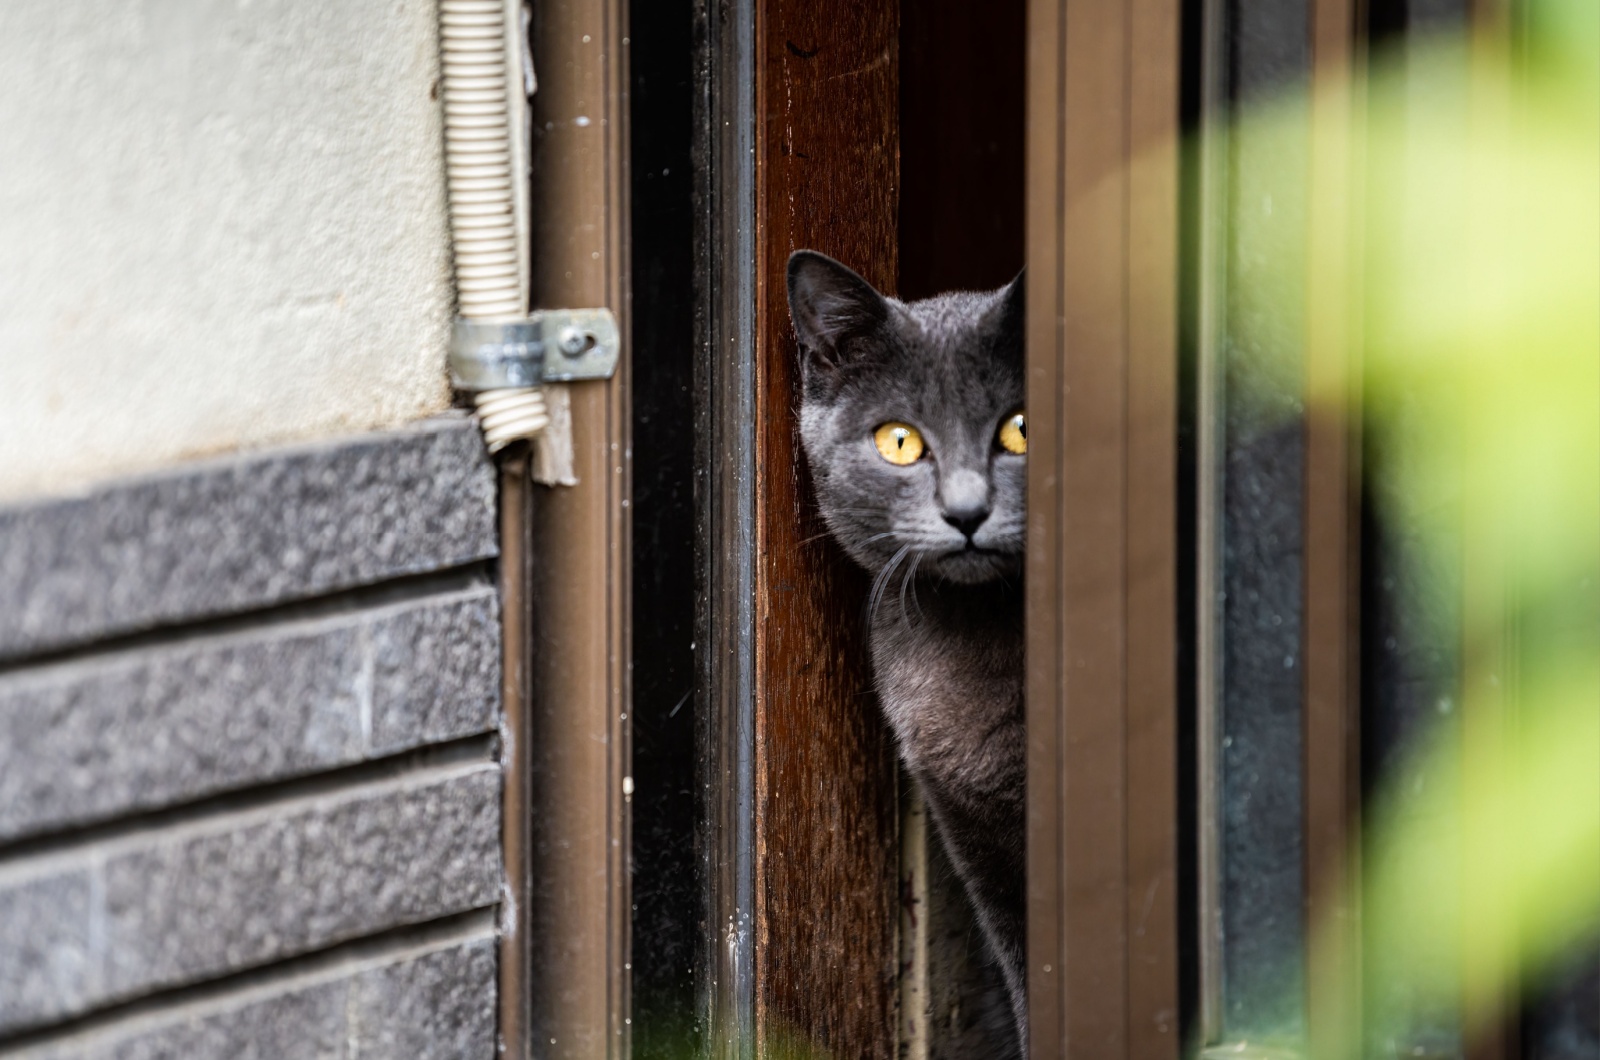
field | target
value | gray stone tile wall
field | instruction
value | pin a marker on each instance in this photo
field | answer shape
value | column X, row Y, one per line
column 249, row 797
column 116, row 919
column 244, row 532
column 94, row 738
column 434, row 1005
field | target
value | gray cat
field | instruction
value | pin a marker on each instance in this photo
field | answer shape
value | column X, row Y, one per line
column 911, row 417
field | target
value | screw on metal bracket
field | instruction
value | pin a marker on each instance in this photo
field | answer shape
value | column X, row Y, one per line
column 575, row 342
column 493, row 356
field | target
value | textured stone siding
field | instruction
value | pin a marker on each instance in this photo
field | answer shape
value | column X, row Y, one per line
column 147, row 728
column 243, row 533
column 433, row 1002
column 249, row 785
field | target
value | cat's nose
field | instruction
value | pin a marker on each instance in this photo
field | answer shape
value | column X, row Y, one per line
column 967, row 519
column 964, row 500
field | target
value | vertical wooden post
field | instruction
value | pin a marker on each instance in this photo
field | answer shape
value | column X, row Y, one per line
column 800, row 125
column 826, row 177
column 1102, row 698
column 1152, row 726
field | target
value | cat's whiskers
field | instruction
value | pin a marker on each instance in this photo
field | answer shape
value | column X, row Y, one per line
column 910, row 580
column 829, row 533
column 881, row 582
column 914, row 601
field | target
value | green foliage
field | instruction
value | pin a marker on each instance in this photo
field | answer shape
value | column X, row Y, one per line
column 1482, row 401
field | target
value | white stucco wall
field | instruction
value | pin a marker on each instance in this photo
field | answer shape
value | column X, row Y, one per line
column 222, row 224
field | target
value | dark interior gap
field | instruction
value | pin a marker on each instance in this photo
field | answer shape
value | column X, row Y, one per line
column 667, row 913
column 963, row 100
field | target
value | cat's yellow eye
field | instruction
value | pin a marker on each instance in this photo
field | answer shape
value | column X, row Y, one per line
column 900, row 443
column 1014, row 434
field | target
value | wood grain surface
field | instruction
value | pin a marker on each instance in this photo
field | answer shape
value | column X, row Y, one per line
column 826, row 178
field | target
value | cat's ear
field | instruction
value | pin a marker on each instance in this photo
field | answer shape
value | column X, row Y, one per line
column 830, row 305
column 1014, row 300
column 1009, row 313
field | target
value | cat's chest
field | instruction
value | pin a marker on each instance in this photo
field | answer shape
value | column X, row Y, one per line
column 949, row 678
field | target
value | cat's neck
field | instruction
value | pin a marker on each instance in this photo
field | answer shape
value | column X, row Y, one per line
column 928, row 607
column 948, row 664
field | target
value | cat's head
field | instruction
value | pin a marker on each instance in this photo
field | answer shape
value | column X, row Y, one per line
column 911, row 417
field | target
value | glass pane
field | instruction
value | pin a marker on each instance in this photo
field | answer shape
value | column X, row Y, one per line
column 1252, row 499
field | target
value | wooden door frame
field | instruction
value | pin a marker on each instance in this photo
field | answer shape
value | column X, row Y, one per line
column 1102, row 200
column 799, row 120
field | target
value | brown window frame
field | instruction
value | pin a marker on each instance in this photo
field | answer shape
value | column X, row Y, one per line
column 1330, row 762
column 1102, row 198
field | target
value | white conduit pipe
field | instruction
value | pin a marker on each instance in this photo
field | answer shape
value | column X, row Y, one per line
column 478, row 175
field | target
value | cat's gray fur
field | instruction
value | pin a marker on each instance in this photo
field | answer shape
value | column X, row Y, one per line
column 945, row 613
